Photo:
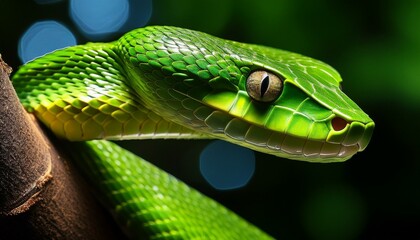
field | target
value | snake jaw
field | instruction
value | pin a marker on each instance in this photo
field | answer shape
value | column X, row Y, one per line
column 338, row 146
column 344, row 140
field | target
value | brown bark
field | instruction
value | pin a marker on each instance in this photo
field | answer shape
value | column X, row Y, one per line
column 42, row 196
column 25, row 156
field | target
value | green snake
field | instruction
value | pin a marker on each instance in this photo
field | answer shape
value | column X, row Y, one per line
column 167, row 82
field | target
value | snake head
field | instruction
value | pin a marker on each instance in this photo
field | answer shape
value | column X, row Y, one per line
column 266, row 99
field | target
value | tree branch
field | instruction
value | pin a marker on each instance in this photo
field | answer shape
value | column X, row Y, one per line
column 42, row 195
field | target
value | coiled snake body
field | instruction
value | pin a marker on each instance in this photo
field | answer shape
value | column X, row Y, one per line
column 168, row 82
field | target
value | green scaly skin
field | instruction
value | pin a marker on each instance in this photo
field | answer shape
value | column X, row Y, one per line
column 167, row 82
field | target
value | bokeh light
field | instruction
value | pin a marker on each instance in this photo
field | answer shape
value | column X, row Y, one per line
column 227, row 166
column 211, row 16
column 98, row 18
column 44, row 37
column 139, row 15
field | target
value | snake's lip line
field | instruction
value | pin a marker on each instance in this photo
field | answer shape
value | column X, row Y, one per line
column 308, row 150
column 339, row 153
column 341, row 146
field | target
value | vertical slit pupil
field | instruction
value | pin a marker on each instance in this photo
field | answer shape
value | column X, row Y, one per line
column 264, row 85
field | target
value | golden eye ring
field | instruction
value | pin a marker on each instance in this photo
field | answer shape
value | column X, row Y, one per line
column 264, row 86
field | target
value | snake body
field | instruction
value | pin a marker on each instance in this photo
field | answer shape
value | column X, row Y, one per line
column 168, row 82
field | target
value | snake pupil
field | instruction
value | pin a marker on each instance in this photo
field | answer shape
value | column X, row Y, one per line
column 264, row 85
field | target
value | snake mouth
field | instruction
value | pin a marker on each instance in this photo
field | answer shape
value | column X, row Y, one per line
column 343, row 140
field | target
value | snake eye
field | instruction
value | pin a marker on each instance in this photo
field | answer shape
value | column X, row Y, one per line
column 264, row 86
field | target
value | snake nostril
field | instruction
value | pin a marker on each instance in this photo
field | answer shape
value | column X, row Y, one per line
column 338, row 123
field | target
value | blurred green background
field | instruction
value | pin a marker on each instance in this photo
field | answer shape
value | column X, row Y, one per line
column 375, row 45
